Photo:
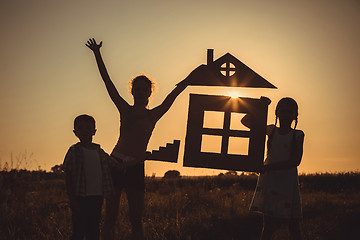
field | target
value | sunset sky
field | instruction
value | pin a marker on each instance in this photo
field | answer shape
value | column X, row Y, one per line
column 309, row 49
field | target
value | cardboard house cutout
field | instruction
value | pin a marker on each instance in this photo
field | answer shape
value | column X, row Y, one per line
column 225, row 71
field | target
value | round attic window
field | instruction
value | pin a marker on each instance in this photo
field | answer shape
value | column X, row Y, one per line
column 227, row 69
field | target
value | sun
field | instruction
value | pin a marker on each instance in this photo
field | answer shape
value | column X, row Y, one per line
column 233, row 94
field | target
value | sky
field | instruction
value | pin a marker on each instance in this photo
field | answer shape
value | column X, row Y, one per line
column 310, row 50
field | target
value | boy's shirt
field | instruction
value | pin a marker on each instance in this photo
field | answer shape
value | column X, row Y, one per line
column 93, row 172
column 74, row 166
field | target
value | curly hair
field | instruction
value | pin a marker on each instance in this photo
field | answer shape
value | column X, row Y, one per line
column 143, row 78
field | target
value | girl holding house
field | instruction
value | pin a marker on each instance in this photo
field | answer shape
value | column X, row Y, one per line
column 277, row 194
column 137, row 122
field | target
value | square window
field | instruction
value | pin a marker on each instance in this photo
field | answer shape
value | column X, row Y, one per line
column 238, row 145
column 213, row 119
column 235, row 121
column 211, row 143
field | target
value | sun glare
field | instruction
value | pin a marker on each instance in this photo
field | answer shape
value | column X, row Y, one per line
column 233, row 94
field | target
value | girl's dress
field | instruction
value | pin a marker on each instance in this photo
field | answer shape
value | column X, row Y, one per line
column 277, row 191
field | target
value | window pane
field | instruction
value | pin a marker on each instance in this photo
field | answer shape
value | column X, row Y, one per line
column 235, row 121
column 210, row 143
column 213, row 119
column 238, row 145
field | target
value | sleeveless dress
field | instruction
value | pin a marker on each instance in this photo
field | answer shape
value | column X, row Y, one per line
column 277, row 191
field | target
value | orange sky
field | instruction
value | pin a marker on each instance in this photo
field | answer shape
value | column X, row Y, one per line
column 309, row 50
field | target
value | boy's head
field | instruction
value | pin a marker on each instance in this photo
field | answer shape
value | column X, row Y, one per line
column 84, row 128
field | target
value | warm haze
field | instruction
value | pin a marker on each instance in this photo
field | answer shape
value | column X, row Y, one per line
column 309, row 50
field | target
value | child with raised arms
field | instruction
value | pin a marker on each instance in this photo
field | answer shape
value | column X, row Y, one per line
column 137, row 122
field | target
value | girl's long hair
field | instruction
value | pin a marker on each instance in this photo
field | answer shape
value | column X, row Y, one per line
column 294, row 106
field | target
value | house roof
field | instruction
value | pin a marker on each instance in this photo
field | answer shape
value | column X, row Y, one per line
column 226, row 71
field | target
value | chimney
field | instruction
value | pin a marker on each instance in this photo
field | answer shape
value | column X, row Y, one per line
column 210, row 56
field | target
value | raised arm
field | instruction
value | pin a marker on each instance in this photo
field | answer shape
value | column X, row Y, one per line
column 119, row 102
column 160, row 110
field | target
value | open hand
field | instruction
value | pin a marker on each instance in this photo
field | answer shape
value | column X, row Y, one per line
column 91, row 43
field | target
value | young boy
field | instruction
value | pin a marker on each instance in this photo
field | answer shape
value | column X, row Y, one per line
column 88, row 179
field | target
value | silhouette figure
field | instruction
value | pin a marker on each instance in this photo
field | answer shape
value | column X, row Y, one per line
column 137, row 124
column 88, row 179
column 277, row 194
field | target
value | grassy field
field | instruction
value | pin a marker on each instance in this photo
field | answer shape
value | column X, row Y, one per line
column 34, row 205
